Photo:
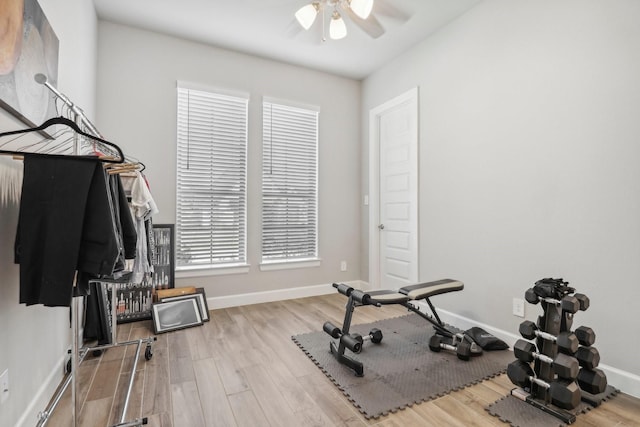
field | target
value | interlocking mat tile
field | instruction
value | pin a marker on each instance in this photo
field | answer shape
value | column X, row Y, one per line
column 401, row 370
column 521, row 414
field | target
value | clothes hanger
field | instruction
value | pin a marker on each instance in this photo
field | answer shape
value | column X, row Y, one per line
column 69, row 123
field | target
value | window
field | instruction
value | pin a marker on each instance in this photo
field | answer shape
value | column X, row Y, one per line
column 211, row 175
column 289, row 183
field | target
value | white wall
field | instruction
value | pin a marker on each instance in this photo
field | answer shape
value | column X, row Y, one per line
column 34, row 339
column 137, row 74
column 529, row 160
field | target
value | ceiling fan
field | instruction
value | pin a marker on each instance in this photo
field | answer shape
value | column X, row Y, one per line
column 359, row 11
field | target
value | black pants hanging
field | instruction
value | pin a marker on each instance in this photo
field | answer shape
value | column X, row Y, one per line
column 53, row 212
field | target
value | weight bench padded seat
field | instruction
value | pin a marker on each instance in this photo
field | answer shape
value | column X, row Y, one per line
column 429, row 289
column 416, row 292
column 388, row 297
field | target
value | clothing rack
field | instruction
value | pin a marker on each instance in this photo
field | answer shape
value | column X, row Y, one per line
column 109, row 153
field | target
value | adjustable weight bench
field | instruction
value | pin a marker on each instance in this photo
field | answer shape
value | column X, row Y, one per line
column 408, row 297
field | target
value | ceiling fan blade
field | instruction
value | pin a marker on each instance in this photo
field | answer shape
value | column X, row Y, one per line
column 386, row 8
column 371, row 25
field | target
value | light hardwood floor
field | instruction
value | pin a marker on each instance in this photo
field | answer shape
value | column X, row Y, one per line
column 243, row 369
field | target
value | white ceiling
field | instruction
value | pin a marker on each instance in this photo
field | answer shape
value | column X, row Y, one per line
column 267, row 28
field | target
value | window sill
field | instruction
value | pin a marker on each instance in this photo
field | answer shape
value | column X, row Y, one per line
column 288, row 265
column 186, row 272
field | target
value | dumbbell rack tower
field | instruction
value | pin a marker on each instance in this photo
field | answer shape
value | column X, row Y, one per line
column 555, row 320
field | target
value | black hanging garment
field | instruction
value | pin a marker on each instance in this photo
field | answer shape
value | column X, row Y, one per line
column 126, row 237
column 64, row 208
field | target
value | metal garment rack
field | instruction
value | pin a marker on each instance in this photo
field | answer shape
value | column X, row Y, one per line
column 78, row 354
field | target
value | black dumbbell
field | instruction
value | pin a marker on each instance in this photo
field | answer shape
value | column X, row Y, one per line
column 588, row 357
column 564, row 394
column 352, row 341
column 583, row 300
column 462, row 348
column 568, row 303
column 592, row 381
column 375, row 336
column 585, row 335
column 565, row 366
column 567, row 341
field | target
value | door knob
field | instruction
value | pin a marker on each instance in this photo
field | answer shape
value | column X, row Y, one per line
column 381, row 226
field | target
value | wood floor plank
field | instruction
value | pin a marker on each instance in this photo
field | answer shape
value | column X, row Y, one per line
column 96, row 413
column 160, row 420
column 275, row 407
column 330, row 400
column 199, row 345
column 156, row 398
column 122, row 334
column 178, row 344
column 105, row 380
column 181, row 370
column 187, row 410
column 247, row 410
column 303, row 405
column 405, row 417
column 435, row 415
column 469, row 415
column 134, row 407
column 215, row 406
column 232, row 376
column 624, row 406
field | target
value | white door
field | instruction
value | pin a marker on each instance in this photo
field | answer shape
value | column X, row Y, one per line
column 394, row 192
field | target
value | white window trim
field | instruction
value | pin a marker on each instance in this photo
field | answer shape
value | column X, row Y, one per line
column 290, row 264
column 213, row 89
column 292, row 104
column 187, row 272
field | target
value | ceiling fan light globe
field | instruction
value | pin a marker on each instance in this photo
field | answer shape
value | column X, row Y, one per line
column 337, row 27
column 306, row 15
column 362, row 8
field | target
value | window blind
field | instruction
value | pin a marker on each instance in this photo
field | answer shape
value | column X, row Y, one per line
column 211, row 179
column 289, row 183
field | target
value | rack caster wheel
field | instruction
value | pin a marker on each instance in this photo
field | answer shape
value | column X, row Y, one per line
column 148, row 353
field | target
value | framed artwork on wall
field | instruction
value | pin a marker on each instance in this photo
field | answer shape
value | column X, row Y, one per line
column 28, row 47
column 163, row 276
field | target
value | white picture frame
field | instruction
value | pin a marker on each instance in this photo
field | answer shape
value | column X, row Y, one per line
column 172, row 315
column 200, row 297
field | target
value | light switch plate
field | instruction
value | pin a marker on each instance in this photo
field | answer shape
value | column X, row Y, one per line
column 518, row 307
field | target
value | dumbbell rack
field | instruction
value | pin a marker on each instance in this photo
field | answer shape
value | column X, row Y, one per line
column 559, row 303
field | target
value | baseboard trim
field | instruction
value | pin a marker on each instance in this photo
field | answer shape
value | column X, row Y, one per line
column 624, row 381
column 274, row 295
column 38, row 404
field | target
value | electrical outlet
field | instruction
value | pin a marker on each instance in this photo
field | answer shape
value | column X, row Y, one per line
column 343, row 265
column 4, row 386
column 518, row 307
